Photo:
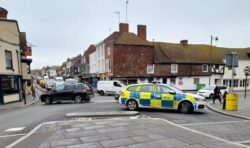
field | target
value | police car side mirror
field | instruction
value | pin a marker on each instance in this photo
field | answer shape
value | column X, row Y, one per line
column 172, row 92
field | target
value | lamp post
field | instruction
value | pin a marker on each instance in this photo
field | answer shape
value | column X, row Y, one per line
column 210, row 54
column 246, row 70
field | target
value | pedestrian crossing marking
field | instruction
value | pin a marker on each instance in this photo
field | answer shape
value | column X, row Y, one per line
column 16, row 129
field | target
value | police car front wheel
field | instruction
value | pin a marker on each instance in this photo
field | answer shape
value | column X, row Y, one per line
column 185, row 107
column 132, row 105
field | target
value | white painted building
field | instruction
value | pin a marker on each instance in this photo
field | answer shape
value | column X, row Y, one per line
column 239, row 78
column 92, row 63
column 100, row 58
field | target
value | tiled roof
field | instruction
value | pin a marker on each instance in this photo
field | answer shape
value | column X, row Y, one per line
column 131, row 39
column 194, row 53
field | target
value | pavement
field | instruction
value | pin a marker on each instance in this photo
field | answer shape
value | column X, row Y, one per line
column 119, row 132
column 243, row 111
column 19, row 104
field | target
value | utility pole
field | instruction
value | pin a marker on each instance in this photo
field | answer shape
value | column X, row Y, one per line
column 126, row 11
column 210, row 56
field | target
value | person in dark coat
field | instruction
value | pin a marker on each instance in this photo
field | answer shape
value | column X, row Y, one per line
column 217, row 94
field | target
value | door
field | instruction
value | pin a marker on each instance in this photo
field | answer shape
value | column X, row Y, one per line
column 163, row 94
column 116, row 87
column 67, row 93
column 146, row 95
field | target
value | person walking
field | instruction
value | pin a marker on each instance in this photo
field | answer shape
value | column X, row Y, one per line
column 217, row 94
column 24, row 96
column 33, row 93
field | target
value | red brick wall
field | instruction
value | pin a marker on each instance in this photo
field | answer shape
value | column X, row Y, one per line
column 183, row 70
column 88, row 51
column 131, row 61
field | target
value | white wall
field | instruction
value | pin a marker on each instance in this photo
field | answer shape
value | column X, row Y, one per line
column 100, row 57
column 92, row 62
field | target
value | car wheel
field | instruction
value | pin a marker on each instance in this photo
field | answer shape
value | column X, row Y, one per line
column 132, row 105
column 87, row 98
column 211, row 96
column 102, row 93
column 185, row 107
column 78, row 99
column 47, row 100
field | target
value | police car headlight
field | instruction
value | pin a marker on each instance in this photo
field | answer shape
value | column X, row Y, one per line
column 199, row 98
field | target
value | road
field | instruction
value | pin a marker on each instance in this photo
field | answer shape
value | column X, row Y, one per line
column 207, row 121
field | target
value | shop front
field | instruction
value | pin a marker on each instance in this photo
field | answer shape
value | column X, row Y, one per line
column 10, row 88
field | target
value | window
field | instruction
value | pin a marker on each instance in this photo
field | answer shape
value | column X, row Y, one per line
column 10, row 85
column 8, row 56
column 146, row 88
column 108, row 51
column 172, row 81
column 174, row 68
column 117, row 84
column 150, row 69
column 163, row 89
column 132, row 88
column 204, row 68
column 196, row 80
column 108, row 65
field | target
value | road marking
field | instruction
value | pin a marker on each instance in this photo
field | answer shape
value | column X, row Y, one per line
column 15, row 129
column 207, row 123
column 14, row 135
column 246, row 141
column 201, row 133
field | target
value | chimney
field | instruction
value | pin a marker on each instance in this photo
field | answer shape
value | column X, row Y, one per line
column 3, row 13
column 184, row 43
column 142, row 31
column 123, row 27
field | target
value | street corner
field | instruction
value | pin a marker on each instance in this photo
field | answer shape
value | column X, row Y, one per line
column 104, row 133
column 241, row 113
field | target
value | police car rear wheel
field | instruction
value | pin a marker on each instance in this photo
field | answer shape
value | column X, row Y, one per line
column 132, row 105
column 186, row 107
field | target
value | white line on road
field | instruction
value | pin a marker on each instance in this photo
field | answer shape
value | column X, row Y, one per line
column 207, row 123
column 14, row 135
column 245, row 141
column 201, row 133
column 15, row 129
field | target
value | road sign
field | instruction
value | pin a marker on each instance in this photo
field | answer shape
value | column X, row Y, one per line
column 247, row 70
column 232, row 60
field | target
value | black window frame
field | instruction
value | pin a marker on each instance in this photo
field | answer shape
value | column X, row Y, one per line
column 11, row 60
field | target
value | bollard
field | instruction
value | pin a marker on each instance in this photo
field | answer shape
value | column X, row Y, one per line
column 231, row 102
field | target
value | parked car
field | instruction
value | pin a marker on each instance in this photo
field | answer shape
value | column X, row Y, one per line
column 109, row 87
column 78, row 92
column 49, row 84
column 208, row 91
column 160, row 96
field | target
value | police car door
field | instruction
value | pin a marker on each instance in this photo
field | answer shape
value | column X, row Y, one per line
column 164, row 95
column 145, row 94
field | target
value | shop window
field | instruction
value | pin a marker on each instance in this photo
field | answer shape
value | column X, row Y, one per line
column 10, row 86
column 172, row 81
column 9, row 62
column 196, row 80
column 204, row 68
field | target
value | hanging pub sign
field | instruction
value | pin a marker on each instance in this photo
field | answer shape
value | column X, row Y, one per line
column 27, row 51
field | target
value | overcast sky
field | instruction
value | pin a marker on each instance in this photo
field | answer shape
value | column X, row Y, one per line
column 65, row 28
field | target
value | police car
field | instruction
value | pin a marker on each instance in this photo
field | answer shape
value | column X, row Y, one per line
column 160, row 96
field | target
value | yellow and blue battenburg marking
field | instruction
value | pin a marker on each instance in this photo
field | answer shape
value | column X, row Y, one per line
column 149, row 99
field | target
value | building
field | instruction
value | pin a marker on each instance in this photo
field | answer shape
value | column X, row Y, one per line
column 10, row 59
column 131, row 58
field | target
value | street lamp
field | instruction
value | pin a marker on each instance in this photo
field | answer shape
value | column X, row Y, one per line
column 210, row 54
column 246, row 70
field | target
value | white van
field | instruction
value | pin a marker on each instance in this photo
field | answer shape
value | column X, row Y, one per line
column 109, row 87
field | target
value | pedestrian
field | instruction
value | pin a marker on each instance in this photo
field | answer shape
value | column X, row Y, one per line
column 217, row 94
column 24, row 96
column 33, row 92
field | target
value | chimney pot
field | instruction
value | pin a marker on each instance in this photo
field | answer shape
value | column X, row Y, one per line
column 184, row 43
column 123, row 27
column 142, row 31
column 3, row 13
